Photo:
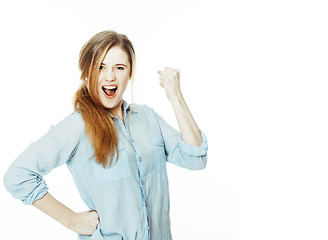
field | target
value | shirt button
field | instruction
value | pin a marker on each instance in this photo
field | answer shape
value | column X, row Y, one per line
column 140, row 160
column 142, row 182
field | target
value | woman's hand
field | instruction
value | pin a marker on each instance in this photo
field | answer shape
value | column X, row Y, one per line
column 84, row 222
column 170, row 81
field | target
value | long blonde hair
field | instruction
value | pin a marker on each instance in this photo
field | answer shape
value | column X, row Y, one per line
column 99, row 126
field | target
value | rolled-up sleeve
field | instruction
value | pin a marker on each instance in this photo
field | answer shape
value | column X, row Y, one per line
column 194, row 150
column 24, row 178
column 180, row 153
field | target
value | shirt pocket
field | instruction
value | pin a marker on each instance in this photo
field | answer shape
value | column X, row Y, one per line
column 158, row 150
column 117, row 171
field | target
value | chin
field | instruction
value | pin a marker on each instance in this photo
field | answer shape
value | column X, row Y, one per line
column 111, row 104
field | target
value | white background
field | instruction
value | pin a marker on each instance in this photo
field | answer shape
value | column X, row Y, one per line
column 254, row 74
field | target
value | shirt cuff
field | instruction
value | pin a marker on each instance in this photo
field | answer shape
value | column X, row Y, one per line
column 192, row 150
column 38, row 193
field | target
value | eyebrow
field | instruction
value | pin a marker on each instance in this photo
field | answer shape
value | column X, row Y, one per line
column 115, row 64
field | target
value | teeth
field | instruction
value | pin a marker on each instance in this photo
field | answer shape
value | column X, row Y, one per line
column 109, row 87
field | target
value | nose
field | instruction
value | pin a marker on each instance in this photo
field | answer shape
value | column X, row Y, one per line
column 110, row 75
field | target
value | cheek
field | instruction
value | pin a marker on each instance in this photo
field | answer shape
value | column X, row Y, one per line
column 123, row 78
column 99, row 89
column 99, row 83
column 100, row 77
column 127, row 76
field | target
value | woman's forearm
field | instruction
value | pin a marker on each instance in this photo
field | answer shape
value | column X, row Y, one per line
column 55, row 209
column 83, row 222
column 189, row 130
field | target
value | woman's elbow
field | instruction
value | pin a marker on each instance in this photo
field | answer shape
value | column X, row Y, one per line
column 8, row 181
column 197, row 163
column 26, row 188
column 202, row 162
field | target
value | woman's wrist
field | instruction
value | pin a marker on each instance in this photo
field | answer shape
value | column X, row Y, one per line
column 71, row 221
column 176, row 98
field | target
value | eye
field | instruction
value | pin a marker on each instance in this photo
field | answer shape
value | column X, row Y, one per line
column 101, row 68
column 120, row 68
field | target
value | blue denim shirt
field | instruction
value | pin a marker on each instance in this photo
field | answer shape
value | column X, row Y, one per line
column 131, row 197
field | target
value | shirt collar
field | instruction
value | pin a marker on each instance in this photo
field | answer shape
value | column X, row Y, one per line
column 126, row 108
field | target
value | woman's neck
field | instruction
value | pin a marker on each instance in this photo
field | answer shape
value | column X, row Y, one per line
column 117, row 111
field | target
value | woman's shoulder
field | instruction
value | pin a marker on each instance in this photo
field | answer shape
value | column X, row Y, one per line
column 146, row 112
column 72, row 118
column 142, row 109
column 72, row 122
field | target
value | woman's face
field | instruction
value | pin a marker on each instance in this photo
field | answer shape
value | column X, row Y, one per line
column 114, row 75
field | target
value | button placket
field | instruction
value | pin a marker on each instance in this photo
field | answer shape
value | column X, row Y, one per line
column 139, row 167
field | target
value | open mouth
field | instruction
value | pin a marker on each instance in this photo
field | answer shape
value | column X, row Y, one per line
column 110, row 91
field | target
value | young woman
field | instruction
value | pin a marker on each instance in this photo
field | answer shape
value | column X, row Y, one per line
column 116, row 152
